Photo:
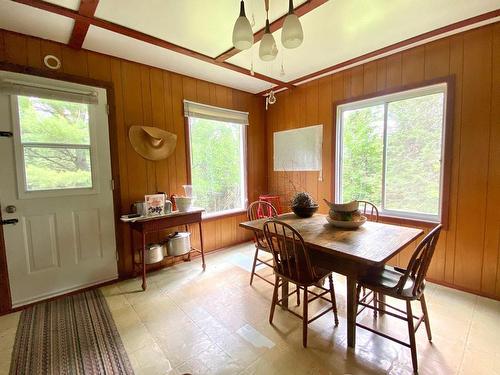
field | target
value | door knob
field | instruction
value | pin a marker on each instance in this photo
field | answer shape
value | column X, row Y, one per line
column 10, row 209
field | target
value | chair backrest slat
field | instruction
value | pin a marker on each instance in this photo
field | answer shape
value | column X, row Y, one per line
column 259, row 210
column 369, row 210
column 291, row 259
column 419, row 262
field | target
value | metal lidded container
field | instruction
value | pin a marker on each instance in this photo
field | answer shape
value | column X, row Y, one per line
column 179, row 243
column 154, row 253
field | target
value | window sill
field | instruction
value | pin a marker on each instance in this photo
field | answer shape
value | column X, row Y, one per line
column 222, row 215
column 407, row 221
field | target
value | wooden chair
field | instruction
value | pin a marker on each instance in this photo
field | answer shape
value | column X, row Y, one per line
column 369, row 210
column 258, row 210
column 404, row 284
column 292, row 264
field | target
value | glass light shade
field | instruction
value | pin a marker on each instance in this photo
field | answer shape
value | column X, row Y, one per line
column 267, row 49
column 291, row 33
column 242, row 34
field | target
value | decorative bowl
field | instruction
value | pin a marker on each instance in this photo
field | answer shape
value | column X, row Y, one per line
column 345, row 207
column 184, row 203
column 305, row 211
column 355, row 223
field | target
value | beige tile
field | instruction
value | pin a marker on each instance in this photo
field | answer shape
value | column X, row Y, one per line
column 214, row 322
column 9, row 322
column 476, row 362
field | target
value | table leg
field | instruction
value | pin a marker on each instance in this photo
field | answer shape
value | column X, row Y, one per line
column 351, row 311
column 284, row 294
column 143, row 261
column 201, row 246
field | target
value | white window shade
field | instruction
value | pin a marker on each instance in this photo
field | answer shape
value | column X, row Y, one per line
column 21, row 88
column 197, row 110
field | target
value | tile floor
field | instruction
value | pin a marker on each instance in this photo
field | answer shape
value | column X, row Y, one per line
column 213, row 322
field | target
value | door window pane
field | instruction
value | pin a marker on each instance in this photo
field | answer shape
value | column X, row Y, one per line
column 53, row 121
column 217, row 164
column 413, row 166
column 55, row 144
column 49, row 168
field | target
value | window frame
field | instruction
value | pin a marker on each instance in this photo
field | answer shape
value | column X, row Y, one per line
column 220, row 214
column 393, row 94
column 22, row 191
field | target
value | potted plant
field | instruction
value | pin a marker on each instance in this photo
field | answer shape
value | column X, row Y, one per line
column 303, row 205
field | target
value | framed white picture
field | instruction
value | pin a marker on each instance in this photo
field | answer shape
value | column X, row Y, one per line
column 299, row 149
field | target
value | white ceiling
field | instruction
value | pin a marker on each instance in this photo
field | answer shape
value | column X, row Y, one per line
column 114, row 44
column 336, row 31
column 186, row 22
column 340, row 30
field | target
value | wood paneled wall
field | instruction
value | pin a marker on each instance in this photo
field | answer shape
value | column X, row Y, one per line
column 149, row 96
column 468, row 253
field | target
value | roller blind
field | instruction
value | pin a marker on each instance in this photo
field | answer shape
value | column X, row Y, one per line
column 192, row 109
column 21, row 88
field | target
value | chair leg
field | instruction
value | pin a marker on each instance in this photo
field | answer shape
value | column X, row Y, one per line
column 305, row 318
column 334, row 300
column 426, row 317
column 254, row 264
column 274, row 300
column 375, row 304
column 298, row 296
column 411, row 333
column 381, row 306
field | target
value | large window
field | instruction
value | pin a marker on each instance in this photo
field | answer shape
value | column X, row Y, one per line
column 54, row 137
column 217, row 156
column 390, row 151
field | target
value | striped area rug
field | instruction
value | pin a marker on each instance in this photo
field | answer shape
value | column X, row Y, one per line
column 70, row 335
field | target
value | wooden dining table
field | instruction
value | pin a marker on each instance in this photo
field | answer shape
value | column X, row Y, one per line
column 350, row 252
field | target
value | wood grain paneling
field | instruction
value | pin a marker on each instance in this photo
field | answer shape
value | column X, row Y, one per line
column 468, row 252
column 145, row 95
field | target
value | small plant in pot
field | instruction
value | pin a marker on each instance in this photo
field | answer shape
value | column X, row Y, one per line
column 303, row 205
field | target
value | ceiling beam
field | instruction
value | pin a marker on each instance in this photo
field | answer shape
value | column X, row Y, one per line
column 300, row 10
column 87, row 8
column 110, row 26
column 405, row 44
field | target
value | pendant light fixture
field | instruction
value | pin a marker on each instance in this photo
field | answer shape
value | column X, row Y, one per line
column 291, row 33
column 242, row 31
column 267, row 49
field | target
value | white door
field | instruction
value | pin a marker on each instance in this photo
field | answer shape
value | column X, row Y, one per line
column 56, row 175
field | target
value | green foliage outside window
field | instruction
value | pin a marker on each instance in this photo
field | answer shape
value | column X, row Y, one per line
column 48, row 129
column 413, row 154
column 217, row 164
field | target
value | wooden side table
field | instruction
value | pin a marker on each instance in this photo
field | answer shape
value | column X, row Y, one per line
column 155, row 224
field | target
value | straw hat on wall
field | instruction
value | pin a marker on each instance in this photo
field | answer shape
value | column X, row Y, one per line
column 152, row 143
